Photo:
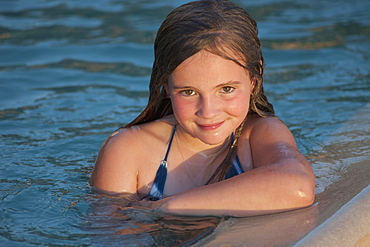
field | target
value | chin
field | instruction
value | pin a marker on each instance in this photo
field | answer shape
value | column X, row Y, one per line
column 213, row 139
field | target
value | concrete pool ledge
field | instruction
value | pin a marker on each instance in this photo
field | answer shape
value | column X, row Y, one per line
column 328, row 223
column 349, row 226
column 341, row 213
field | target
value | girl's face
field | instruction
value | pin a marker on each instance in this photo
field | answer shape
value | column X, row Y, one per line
column 210, row 96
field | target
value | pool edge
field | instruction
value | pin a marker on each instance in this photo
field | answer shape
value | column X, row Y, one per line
column 349, row 226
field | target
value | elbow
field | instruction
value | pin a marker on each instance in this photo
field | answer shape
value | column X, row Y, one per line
column 303, row 192
column 299, row 186
column 304, row 197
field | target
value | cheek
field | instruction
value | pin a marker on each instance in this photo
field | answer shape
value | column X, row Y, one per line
column 182, row 108
column 238, row 106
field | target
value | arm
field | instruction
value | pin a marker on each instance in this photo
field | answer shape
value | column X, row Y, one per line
column 115, row 170
column 281, row 180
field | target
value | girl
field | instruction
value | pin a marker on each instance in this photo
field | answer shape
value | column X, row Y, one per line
column 208, row 141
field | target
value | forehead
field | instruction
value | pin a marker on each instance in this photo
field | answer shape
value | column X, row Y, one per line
column 206, row 57
column 205, row 68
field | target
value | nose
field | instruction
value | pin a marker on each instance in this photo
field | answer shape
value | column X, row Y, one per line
column 209, row 107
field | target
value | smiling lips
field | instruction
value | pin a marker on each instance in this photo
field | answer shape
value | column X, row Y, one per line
column 208, row 127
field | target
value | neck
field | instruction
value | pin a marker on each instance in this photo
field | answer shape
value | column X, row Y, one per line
column 193, row 145
column 199, row 159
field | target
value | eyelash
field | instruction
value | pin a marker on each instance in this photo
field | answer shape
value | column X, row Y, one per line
column 186, row 92
column 231, row 89
column 190, row 92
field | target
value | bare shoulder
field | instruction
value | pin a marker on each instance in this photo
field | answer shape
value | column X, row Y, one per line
column 123, row 153
column 114, row 167
column 272, row 142
column 268, row 130
column 132, row 141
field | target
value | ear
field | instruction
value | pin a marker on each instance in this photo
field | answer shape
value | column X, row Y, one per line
column 253, row 85
column 166, row 89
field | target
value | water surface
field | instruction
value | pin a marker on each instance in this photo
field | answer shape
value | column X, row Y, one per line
column 73, row 71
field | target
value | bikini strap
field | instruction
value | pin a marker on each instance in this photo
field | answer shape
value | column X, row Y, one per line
column 156, row 193
column 170, row 142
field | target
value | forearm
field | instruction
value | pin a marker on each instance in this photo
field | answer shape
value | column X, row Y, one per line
column 262, row 190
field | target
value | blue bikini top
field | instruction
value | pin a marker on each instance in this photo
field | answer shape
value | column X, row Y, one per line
column 156, row 193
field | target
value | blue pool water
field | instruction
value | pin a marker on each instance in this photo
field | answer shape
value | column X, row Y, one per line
column 72, row 71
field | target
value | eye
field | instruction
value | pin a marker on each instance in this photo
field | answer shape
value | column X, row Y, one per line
column 188, row 92
column 227, row 89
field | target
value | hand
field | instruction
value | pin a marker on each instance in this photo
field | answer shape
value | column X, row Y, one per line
column 154, row 205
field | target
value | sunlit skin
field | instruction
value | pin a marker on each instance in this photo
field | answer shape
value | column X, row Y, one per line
column 210, row 97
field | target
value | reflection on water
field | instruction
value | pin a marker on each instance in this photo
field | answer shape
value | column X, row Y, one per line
column 94, row 67
column 73, row 71
column 272, row 230
column 115, row 218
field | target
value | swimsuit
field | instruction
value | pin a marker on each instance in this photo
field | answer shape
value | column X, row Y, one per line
column 156, row 193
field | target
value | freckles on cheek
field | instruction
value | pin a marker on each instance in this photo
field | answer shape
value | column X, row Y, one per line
column 238, row 110
column 181, row 107
column 238, row 106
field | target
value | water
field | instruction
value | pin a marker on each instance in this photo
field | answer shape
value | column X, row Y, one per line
column 73, row 71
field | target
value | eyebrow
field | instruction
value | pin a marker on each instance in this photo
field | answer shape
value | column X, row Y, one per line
column 230, row 83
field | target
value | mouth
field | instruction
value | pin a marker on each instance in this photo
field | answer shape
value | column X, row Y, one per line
column 208, row 127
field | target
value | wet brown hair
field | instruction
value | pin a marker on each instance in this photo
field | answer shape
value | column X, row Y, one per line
column 220, row 27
